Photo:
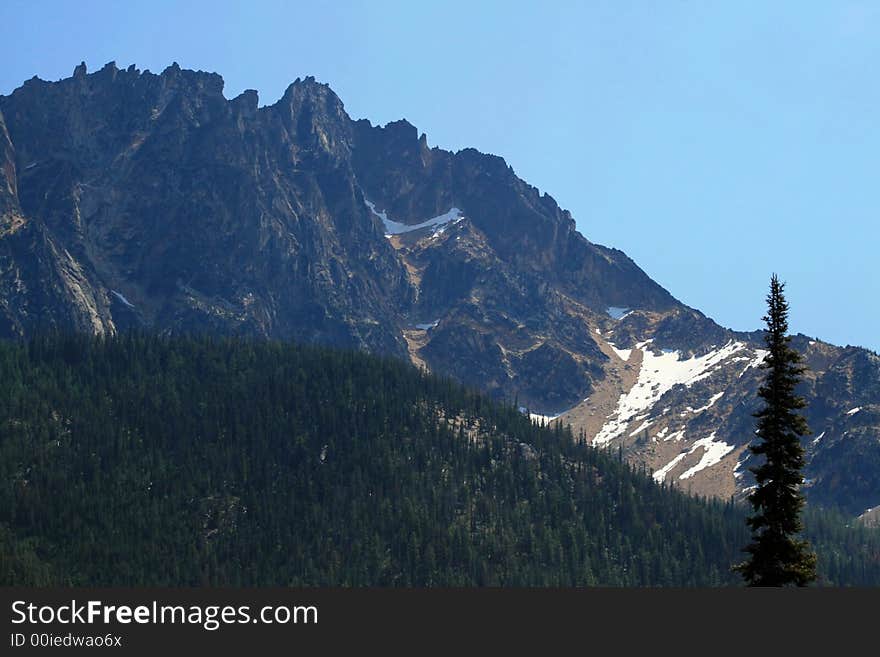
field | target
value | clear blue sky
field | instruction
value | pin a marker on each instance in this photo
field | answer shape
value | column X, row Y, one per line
column 714, row 142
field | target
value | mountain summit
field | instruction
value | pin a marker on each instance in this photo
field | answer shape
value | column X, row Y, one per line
column 135, row 200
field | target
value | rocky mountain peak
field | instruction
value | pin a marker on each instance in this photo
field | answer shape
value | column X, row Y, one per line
column 246, row 103
column 315, row 118
column 136, row 200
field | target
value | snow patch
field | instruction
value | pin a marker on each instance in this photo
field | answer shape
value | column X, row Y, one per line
column 645, row 425
column 396, row 228
column 441, row 228
column 382, row 215
column 853, row 411
column 615, row 312
column 657, row 375
column 622, row 354
column 818, row 438
column 739, row 464
column 660, row 475
column 712, row 400
column 428, row 326
column 122, row 298
column 760, row 355
column 537, row 417
column 676, row 435
column 715, row 450
column 546, row 419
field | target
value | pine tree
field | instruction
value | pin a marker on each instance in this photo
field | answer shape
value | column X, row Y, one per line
column 778, row 557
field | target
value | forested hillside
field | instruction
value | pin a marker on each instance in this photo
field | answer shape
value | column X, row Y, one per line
column 142, row 460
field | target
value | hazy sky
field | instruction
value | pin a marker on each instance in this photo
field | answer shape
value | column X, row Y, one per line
column 714, row 143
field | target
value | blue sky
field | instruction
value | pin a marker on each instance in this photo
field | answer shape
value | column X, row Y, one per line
column 714, row 142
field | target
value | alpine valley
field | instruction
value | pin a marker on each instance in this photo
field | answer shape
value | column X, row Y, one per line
column 131, row 200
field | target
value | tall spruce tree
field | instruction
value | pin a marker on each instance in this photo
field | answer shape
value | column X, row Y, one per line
column 778, row 557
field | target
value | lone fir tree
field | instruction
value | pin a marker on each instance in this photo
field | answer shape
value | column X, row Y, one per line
column 778, row 557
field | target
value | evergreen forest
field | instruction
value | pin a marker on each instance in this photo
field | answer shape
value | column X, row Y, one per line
column 144, row 460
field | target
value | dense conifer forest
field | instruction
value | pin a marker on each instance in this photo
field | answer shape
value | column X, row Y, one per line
column 146, row 460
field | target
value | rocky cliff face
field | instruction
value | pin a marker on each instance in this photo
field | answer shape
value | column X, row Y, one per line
column 129, row 199
column 183, row 211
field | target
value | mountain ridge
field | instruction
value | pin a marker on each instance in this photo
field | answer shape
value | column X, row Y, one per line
column 141, row 200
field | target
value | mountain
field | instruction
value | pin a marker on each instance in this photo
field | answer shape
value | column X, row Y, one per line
column 131, row 200
column 177, row 461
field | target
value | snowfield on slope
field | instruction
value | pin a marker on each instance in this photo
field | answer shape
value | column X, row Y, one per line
column 696, row 411
column 760, row 355
column 539, row 418
column 616, row 312
column 713, row 451
column 657, row 375
column 622, row 354
column 396, row 228
column 660, row 475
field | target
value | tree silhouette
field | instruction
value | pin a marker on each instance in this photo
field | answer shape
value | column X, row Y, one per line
column 778, row 557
